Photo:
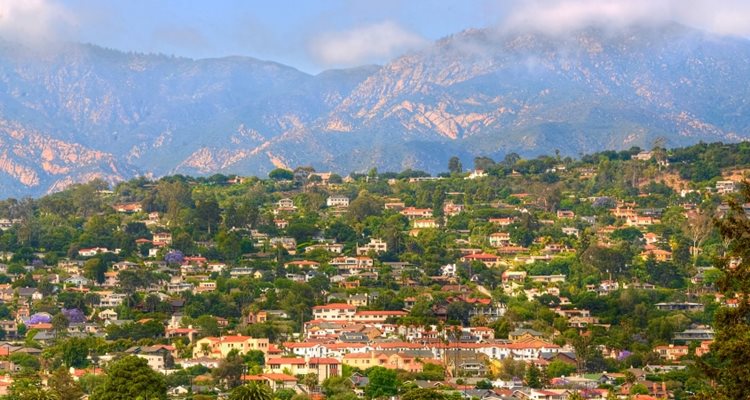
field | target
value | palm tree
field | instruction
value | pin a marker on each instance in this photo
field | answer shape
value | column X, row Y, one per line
column 251, row 391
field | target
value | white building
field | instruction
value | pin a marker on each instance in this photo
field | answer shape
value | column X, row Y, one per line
column 337, row 201
column 376, row 245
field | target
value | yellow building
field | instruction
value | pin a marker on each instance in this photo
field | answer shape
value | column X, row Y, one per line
column 219, row 347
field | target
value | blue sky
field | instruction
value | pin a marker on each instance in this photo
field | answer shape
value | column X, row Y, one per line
column 313, row 35
column 287, row 31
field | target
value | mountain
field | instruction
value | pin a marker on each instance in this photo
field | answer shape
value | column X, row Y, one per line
column 80, row 111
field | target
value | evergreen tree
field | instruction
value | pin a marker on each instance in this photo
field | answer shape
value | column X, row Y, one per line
column 63, row 385
column 454, row 165
column 533, row 377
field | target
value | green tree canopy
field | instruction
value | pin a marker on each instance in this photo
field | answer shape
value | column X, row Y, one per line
column 131, row 378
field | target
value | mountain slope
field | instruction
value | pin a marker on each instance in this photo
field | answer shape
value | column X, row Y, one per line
column 82, row 111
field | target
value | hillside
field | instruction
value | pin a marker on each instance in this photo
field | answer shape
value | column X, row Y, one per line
column 82, row 111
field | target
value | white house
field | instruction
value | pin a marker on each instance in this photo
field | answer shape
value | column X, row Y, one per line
column 337, row 201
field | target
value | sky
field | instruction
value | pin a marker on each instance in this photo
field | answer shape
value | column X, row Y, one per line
column 313, row 35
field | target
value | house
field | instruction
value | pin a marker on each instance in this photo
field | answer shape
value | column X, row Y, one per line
column 416, row 213
column 302, row 264
column 108, row 315
column 448, row 270
column 6, row 223
column 334, row 311
column 219, row 347
column 500, row 239
column 288, row 243
column 337, row 201
column 162, row 239
column 451, row 209
column 352, row 265
column 638, row 221
column 128, row 208
column 724, row 187
column 671, row 352
column 275, row 381
column 428, row 223
column 153, row 218
column 376, row 245
column 658, row 254
column 490, row 260
column 570, row 231
column 704, row 348
column 503, row 222
column 548, row 278
column 694, row 334
column 323, row 367
column 476, row 174
column 335, row 248
column 565, row 214
column 285, row 204
column 524, row 334
column 158, row 357
column 77, row 280
column 205, row 286
column 513, row 277
column 91, row 252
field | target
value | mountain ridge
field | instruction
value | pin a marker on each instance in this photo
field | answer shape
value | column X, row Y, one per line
column 477, row 92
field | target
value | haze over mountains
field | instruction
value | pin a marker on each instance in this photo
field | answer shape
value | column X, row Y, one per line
column 81, row 111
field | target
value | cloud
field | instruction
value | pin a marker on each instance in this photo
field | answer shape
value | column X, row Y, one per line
column 35, row 20
column 366, row 44
column 729, row 17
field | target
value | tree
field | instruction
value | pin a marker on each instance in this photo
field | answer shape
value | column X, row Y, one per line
column 383, row 383
column 60, row 325
column 208, row 215
column 575, row 396
column 697, row 229
column 559, row 368
column 74, row 352
column 280, row 174
column 454, row 165
column 364, row 206
column 483, row 163
column 310, row 380
column 230, row 370
column 533, row 377
column 251, row 391
column 337, row 385
column 63, row 385
column 29, row 388
column 95, row 269
column 423, row 394
column 728, row 362
column 131, row 378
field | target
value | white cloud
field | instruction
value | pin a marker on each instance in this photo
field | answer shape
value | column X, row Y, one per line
column 556, row 16
column 34, row 20
column 366, row 44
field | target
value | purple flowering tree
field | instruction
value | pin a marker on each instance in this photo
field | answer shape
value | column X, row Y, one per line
column 74, row 315
column 174, row 257
column 39, row 318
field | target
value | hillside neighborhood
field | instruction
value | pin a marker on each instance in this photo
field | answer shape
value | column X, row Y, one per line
column 542, row 279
